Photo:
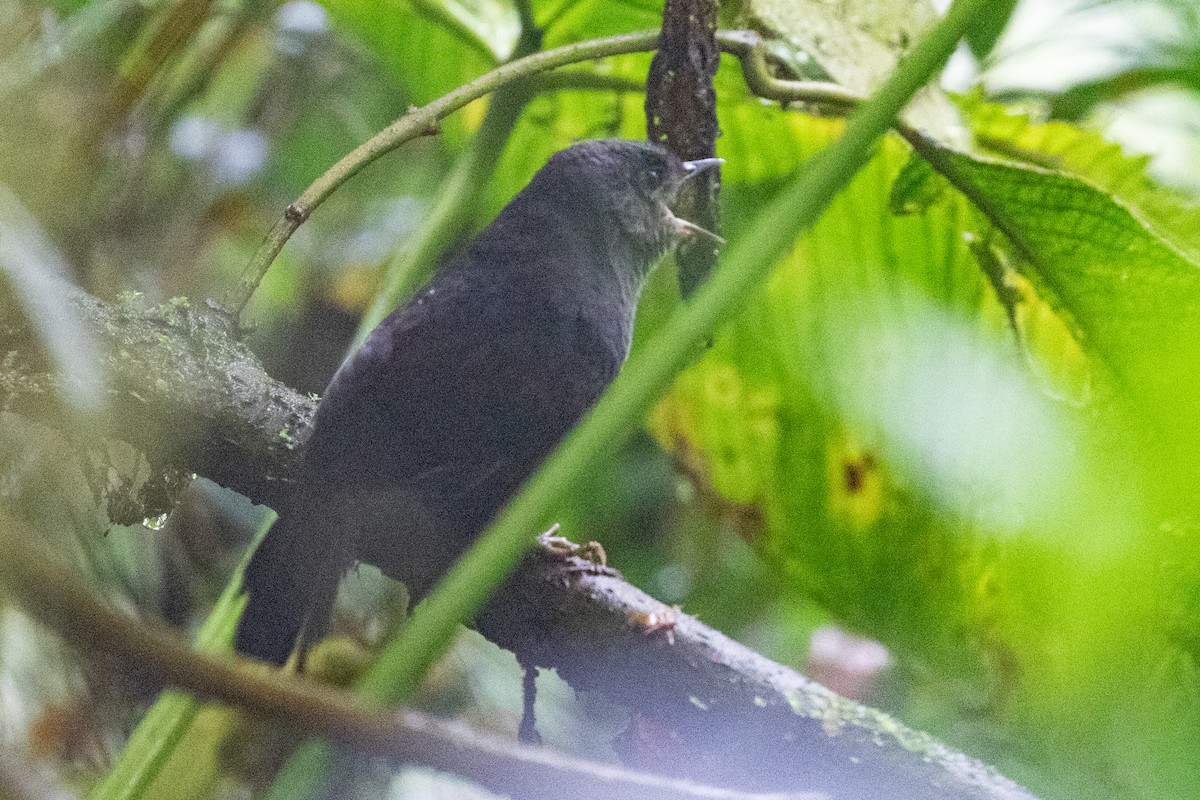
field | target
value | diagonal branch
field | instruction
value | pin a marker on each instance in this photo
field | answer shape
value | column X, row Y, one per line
column 59, row 599
column 180, row 378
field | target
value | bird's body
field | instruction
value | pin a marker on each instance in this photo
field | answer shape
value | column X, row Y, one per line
column 456, row 398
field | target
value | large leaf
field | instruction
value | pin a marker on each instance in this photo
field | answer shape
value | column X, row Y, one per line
column 1063, row 147
column 913, row 474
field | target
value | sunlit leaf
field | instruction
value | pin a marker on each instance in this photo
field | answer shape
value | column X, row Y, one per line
column 1013, row 136
column 1131, row 298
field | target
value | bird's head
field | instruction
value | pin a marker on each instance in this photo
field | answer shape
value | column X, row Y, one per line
column 635, row 183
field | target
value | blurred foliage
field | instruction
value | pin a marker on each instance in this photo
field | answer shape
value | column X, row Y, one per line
column 960, row 418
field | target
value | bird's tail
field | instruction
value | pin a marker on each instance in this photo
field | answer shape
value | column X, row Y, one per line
column 291, row 588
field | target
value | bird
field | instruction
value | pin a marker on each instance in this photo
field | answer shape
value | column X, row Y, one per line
column 455, row 399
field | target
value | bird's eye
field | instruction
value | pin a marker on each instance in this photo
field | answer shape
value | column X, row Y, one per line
column 650, row 179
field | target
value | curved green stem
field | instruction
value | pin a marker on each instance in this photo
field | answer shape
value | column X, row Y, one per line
column 746, row 45
column 417, row 122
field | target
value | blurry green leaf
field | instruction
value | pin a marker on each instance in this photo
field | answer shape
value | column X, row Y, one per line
column 151, row 758
column 1131, row 298
column 589, row 19
column 917, row 478
column 431, row 46
column 984, row 31
column 88, row 24
column 916, row 187
column 38, row 275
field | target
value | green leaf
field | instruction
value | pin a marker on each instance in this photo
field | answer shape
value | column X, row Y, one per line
column 1062, row 147
column 984, row 31
column 916, row 187
column 431, row 46
column 921, row 481
column 1131, row 297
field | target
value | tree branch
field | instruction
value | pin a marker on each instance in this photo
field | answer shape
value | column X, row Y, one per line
column 183, row 380
column 59, row 599
column 178, row 386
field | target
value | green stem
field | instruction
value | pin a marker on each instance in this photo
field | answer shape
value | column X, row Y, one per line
column 162, row 43
column 749, row 260
column 417, row 122
column 746, row 45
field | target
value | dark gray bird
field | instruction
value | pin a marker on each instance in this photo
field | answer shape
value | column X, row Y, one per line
column 457, row 397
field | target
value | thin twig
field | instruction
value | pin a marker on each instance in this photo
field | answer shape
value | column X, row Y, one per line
column 424, row 121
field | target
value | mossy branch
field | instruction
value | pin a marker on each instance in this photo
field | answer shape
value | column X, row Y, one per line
column 59, row 599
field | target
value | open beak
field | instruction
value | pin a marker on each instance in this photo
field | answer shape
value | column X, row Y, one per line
column 690, row 170
column 693, row 168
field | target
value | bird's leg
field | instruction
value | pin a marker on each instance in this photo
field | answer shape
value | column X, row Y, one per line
column 528, row 732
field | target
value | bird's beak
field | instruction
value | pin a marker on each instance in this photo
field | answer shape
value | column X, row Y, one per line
column 693, row 168
column 684, row 227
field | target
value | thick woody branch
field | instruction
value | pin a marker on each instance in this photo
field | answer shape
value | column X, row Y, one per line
column 739, row 718
column 184, row 391
column 179, row 386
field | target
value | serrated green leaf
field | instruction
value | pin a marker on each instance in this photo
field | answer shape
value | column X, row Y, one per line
column 1013, row 136
column 1132, row 299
